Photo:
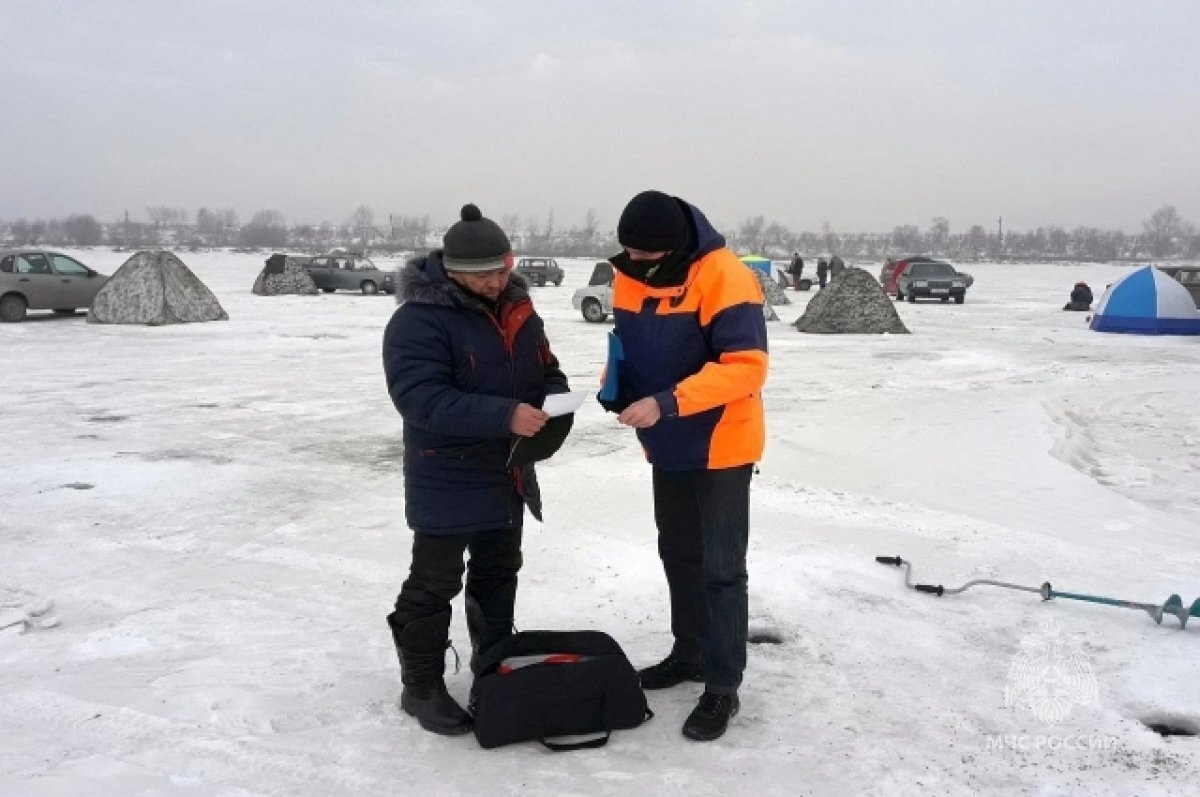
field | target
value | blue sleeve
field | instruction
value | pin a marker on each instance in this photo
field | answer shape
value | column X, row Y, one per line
column 418, row 362
column 739, row 327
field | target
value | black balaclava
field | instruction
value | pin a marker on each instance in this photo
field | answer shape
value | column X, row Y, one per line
column 655, row 222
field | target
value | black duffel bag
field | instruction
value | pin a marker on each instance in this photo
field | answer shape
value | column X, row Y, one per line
column 537, row 685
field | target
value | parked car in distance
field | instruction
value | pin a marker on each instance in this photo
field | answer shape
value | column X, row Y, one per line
column 1188, row 277
column 540, row 270
column 931, row 280
column 348, row 272
column 40, row 279
column 892, row 269
column 595, row 301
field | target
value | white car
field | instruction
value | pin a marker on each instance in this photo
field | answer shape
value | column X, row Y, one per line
column 595, row 301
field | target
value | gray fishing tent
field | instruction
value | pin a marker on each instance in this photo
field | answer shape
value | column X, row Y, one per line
column 154, row 288
column 772, row 290
column 284, row 274
column 854, row 303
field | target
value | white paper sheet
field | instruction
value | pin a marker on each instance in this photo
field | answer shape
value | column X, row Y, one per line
column 563, row 403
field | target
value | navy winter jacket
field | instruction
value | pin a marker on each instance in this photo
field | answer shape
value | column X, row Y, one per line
column 456, row 372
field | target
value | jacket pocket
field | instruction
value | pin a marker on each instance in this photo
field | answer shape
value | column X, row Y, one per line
column 455, row 451
column 466, row 368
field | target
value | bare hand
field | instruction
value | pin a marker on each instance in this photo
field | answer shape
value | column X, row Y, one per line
column 641, row 414
column 527, row 420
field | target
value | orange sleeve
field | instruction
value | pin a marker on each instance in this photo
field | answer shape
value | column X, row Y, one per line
column 731, row 313
column 737, row 375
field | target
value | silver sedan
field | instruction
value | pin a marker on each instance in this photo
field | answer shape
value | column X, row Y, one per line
column 38, row 279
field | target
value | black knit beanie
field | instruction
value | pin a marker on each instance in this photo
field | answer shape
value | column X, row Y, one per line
column 475, row 243
column 653, row 222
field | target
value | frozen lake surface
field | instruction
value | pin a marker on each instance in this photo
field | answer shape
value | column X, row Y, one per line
column 215, row 512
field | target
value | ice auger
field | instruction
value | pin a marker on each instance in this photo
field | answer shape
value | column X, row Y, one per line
column 1173, row 605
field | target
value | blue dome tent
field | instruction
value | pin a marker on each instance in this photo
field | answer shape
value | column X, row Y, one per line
column 758, row 263
column 1147, row 302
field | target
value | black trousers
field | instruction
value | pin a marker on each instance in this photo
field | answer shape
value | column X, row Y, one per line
column 436, row 574
column 703, row 520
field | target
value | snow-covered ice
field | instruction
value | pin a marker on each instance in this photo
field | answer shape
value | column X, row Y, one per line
column 209, row 518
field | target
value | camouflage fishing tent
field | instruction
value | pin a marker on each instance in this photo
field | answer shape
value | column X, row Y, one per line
column 284, row 274
column 853, row 304
column 154, row 288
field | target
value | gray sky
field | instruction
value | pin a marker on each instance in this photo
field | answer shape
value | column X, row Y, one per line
column 863, row 114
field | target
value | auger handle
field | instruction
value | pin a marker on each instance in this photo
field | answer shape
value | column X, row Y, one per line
column 889, row 560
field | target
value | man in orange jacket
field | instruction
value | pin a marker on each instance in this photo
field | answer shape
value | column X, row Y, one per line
column 689, row 319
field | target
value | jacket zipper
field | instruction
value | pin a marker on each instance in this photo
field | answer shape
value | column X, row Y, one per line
column 514, row 473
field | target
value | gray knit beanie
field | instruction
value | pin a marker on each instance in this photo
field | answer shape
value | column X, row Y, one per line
column 475, row 243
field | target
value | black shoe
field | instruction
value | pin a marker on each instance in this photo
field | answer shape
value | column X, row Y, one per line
column 671, row 671
column 435, row 709
column 710, row 716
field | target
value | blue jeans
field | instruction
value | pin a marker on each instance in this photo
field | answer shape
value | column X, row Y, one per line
column 703, row 520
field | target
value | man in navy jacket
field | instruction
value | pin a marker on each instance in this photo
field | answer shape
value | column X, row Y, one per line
column 468, row 365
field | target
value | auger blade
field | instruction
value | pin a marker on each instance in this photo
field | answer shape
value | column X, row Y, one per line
column 1194, row 612
column 1174, row 607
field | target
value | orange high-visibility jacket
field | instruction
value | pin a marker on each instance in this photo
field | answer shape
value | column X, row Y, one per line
column 701, row 350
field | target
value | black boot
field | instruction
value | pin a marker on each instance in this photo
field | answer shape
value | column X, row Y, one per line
column 710, row 717
column 421, row 645
column 435, row 710
column 486, row 630
column 671, row 671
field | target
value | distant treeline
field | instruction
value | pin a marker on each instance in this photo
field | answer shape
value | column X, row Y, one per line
column 1164, row 235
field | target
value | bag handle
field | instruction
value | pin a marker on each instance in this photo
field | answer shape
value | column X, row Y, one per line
column 563, row 747
column 599, row 741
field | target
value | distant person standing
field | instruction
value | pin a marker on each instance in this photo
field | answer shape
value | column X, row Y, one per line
column 822, row 272
column 836, row 267
column 796, row 270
